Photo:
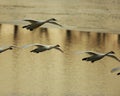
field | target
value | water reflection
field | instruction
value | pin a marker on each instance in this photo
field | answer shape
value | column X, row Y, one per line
column 53, row 73
column 15, row 31
column 44, row 33
column 68, row 35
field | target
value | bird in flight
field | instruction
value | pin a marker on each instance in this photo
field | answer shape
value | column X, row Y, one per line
column 94, row 56
column 41, row 47
column 35, row 24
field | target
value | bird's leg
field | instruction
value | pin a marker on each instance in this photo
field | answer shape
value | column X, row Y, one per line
column 26, row 26
column 92, row 61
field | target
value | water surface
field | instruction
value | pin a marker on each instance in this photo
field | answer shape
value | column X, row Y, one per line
column 53, row 73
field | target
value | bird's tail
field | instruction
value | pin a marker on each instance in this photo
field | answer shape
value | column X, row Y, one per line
column 84, row 59
column 34, row 51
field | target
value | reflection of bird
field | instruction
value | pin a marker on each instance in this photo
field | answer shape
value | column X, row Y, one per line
column 41, row 48
column 116, row 69
column 34, row 24
column 6, row 48
column 97, row 56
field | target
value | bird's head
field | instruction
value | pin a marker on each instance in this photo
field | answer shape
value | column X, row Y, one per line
column 112, row 52
column 53, row 19
column 57, row 45
column 10, row 48
column 13, row 46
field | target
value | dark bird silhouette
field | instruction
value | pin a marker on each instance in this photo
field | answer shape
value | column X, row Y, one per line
column 97, row 56
column 35, row 24
column 41, row 47
column 3, row 49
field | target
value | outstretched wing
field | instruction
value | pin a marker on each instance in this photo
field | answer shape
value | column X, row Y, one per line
column 55, row 23
column 110, row 55
column 115, row 69
column 88, row 52
column 31, row 21
column 29, row 45
column 59, row 49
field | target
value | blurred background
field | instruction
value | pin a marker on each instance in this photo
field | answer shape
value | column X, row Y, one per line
column 88, row 25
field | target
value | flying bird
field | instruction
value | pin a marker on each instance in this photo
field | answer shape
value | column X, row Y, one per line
column 35, row 24
column 41, row 47
column 97, row 56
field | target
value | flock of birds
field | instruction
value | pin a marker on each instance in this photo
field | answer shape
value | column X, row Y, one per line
column 94, row 56
column 40, row 47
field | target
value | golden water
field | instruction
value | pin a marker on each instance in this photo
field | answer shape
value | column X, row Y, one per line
column 53, row 73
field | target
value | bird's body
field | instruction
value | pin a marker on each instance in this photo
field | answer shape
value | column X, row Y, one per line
column 35, row 24
column 97, row 56
column 41, row 47
column 93, row 58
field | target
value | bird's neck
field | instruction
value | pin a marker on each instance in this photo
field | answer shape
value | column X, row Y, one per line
column 5, row 49
column 47, row 20
column 52, row 46
column 107, row 53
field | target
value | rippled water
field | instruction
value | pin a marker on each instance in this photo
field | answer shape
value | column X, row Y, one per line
column 53, row 73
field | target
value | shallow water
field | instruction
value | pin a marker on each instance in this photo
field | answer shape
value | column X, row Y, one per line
column 53, row 73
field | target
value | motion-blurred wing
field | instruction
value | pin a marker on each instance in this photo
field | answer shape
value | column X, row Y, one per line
column 115, row 69
column 31, row 21
column 29, row 45
column 88, row 52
